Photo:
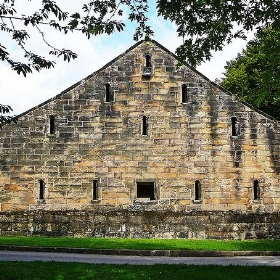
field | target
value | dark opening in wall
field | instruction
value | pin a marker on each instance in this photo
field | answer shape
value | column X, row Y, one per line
column 148, row 61
column 184, row 93
column 234, row 127
column 197, row 190
column 108, row 97
column 147, row 69
column 52, row 124
column 144, row 125
column 94, row 189
column 256, row 190
column 41, row 189
column 146, row 190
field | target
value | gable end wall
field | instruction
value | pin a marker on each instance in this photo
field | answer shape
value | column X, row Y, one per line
column 103, row 141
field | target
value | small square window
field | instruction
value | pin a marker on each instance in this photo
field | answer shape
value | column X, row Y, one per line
column 146, row 191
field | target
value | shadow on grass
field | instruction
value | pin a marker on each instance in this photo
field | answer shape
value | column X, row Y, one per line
column 69, row 271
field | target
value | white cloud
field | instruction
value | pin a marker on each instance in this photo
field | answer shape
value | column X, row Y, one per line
column 215, row 67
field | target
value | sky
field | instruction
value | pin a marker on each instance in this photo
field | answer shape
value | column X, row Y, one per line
column 23, row 93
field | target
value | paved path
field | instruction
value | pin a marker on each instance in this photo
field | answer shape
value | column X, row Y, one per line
column 137, row 260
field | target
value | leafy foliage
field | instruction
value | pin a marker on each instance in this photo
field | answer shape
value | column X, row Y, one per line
column 6, row 109
column 254, row 76
column 96, row 17
column 204, row 25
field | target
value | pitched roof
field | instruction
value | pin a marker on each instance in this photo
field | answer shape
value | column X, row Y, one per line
column 122, row 55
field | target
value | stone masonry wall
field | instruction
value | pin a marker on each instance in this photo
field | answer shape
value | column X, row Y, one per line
column 142, row 224
column 185, row 143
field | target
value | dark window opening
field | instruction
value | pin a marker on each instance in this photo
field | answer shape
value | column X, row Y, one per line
column 108, row 93
column 234, row 126
column 148, row 62
column 52, row 124
column 184, row 93
column 41, row 189
column 94, row 190
column 147, row 69
column 256, row 190
column 144, row 125
column 197, row 190
column 146, row 190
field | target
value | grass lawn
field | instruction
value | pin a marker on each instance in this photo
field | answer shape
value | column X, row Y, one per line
column 138, row 244
column 69, row 271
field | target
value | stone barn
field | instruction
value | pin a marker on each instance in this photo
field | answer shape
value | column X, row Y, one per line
column 141, row 148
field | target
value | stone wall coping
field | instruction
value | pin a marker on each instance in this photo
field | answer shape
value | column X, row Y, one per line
column 131, row 252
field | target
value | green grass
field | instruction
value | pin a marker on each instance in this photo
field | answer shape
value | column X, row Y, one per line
column 142, row 244
column 69, row 271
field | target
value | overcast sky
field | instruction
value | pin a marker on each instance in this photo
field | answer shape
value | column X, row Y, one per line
column 24, row 93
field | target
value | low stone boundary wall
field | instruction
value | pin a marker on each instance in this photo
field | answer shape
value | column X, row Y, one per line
column 142, row 224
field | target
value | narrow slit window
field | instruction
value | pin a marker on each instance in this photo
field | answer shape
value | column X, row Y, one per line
column 147, row 67
column 148, row 62
column 94, row 190
column 146, row 191
column 108, row 93
column 256, row 190
column 234, row 126
column 41, row 189
column 184, row 93
column 197, row 190
column 52, row 124
column 144, row 125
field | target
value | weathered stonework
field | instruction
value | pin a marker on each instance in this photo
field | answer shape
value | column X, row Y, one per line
column 189, row 156
column 142, row 224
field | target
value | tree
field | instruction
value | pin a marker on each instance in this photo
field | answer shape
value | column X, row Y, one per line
column 204, row 25
column 254, row 76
